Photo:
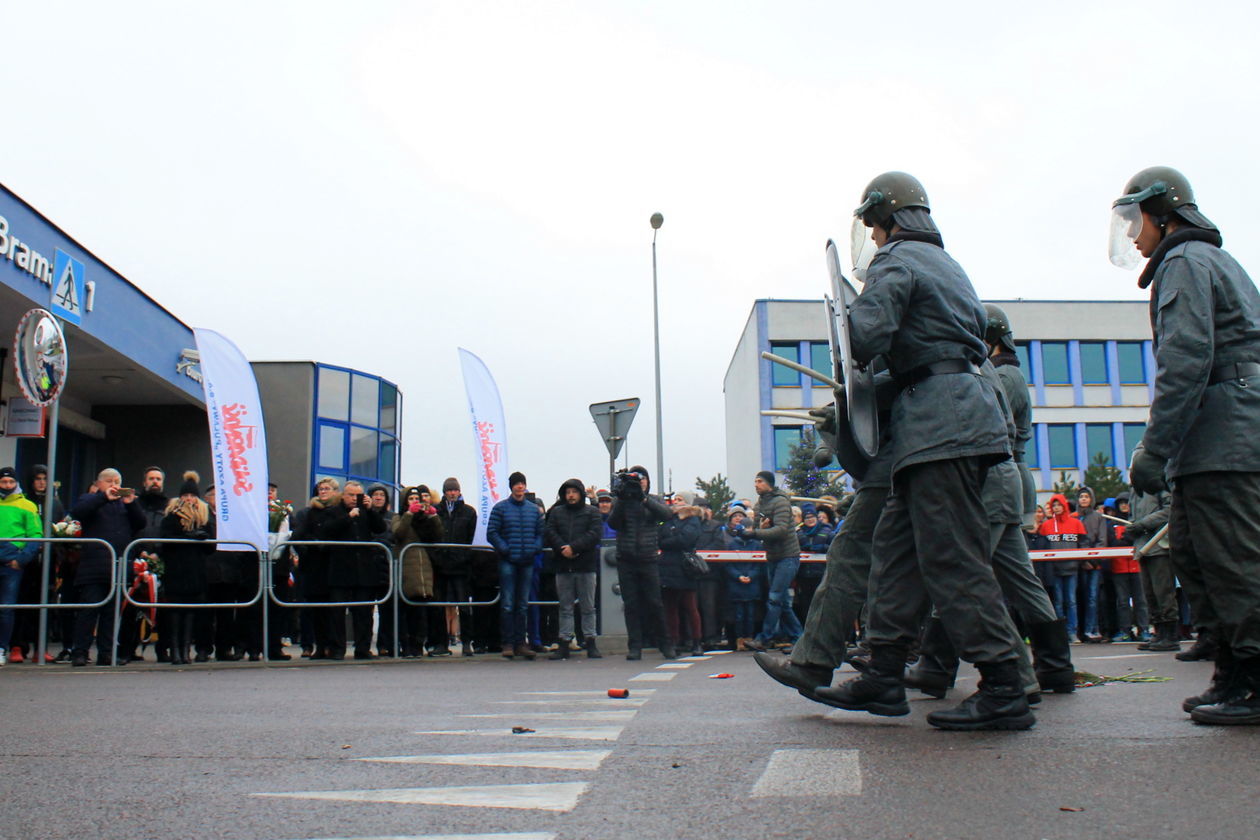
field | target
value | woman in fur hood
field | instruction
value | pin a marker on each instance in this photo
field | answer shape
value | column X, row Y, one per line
column 184, row 577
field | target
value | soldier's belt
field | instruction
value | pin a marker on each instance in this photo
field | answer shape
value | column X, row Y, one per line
column 1238, row 370
column 917, row 375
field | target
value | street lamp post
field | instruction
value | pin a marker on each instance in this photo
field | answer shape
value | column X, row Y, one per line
column 656, row 221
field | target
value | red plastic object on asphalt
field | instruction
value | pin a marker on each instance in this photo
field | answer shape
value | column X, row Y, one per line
column 619, row 693
column 720, row 676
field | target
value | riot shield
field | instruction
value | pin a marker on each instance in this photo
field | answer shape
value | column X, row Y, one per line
column 859, row 388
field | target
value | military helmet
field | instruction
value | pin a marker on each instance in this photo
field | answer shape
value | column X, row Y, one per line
column 997, row 329
column 1163, row 192
column 887, row 194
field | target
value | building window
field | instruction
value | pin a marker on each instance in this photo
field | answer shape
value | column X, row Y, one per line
column 389, row 408
column 365, row 400
column 334, row 394
column 363, row 451
column 1132, row 362
column 820, row 358
column 1094, row 363
column 785, row 437
column 389, row 460
column 1098, row 441
column 332, row 447
column 785, row 377
column 1062, row 446
column 1054, row 363
column 1030, row 449
column 1132, row 437
column 1025, row 363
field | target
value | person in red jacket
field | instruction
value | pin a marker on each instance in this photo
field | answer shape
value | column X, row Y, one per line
column 1062, row 530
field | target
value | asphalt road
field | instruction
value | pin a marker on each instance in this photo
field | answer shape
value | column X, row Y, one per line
column 241, row 750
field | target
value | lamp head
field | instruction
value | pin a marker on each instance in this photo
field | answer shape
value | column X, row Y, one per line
column 657, row 220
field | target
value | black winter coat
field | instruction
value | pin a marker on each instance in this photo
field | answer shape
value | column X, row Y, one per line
column 184, row 577
column 459, row 524
column 635, row 524
column 357, row 566
column 112, row 521
column 581, row 528
column 313, row 560
column 677, row 536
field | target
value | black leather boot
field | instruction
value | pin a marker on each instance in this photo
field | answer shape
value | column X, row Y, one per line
column 803, row 678
column 879, row 690
column 1052, row 656
column 937, row 666
column 1165, row 638
column 1240, row 705
column 668, row 651
column 562, row 650
column 592, row 652
column 1223, row 677
column 1203, row 649
column 999, row 704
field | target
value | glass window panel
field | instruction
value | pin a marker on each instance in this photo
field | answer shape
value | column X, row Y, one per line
column 820, row 358
column 389, row 407
column 1132, row 437
column 389, row 457
column 1062, row 446
column 334, row 394
column 363, row 451
column 781, row 376
column 1054, row 363
column 1030, row 450
column 332, row 447
column 1098, row 440
column 785, row 437
column 1021, row 350
column 1132, row 362
column 320, row 476
column 366, row 399
column 1094, row 363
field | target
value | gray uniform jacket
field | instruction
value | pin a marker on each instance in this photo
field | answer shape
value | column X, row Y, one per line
column 1015, row 387
column 918, row 307
column 1205, row 312
column 1003, row 493
column 1152, row 511
column 780, row 538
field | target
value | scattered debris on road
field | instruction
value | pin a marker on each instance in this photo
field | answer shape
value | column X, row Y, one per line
column 1084, row 679
column 521, row 730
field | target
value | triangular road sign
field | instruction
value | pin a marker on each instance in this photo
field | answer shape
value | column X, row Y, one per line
column 613, row 420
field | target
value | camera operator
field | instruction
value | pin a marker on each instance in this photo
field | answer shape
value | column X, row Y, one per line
column 635, row 517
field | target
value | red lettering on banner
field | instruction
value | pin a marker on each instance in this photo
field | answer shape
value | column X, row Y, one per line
column 489, row 455
column 240, row 438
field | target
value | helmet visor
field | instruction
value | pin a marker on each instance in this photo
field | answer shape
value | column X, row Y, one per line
column 1126, row 224
column 861, row 247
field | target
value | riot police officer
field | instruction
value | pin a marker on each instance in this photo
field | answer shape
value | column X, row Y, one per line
column 1205, row 316
column 918, row 309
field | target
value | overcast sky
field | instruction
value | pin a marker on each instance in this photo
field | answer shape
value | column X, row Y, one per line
column 376, row 184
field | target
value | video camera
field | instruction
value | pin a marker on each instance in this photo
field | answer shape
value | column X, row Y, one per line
column 627, row 486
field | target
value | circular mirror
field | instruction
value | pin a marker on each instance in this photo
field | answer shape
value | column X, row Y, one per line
column 39, row 357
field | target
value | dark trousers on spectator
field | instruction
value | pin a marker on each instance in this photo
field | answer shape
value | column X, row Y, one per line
column 681, row 603
column 360, row 617
column 90, row 620
column 450, row 588
column 216, row 628
column 640, row 583
column 485, row 619
column 709, row 598
column 1130, row 603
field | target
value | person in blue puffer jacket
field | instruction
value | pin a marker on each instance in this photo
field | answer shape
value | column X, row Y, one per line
column 745, row 582
column 515, row 530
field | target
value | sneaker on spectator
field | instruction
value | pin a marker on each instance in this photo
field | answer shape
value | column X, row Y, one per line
column 1121, row 637
column 15, row 655
column 3, row 657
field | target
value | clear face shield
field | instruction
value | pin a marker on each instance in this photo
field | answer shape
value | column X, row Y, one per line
column 862, row 248
column 1126, row 224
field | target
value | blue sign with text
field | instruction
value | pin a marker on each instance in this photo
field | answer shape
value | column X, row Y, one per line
column 68, row 288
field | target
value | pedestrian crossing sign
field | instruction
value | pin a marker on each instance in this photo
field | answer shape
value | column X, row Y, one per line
column 68, row 288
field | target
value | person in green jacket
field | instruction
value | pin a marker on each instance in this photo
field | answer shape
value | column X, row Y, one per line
column 18, row 521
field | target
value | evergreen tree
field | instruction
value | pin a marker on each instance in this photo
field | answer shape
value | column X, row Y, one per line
column 716, row 492
column 802, row 478
column 1105, row 480
column 1067, row 486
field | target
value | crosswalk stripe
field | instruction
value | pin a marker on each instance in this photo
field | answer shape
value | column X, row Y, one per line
column 555, row 760
column 574, row 733
column 609, row 702
column 811, row 773
column 654, row 676
column 716, row 652
column 674, row 666
column 580, row 693
column 696, row 658
column 545, row 796
column 518, row 835
column 609, row 714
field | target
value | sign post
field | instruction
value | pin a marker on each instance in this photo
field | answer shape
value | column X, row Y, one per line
column 40, row 359
column 613, row 420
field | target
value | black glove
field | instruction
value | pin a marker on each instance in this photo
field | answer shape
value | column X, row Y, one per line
column 1147, row 472
column 1135, row 531
column 826, row 417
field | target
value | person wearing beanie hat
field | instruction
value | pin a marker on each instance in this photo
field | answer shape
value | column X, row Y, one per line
column 767, row 476
column 776, row 527
column 636, row 521
column 450, row 484
column 515, row 530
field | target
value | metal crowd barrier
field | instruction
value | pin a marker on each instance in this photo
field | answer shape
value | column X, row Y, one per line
column 732, row 556
column 43, row 605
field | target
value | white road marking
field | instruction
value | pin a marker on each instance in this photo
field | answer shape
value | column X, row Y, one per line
column 811, row 773
column 574, row 733
column 547, row 796
column 716, row 652
column 529, row 835
column 608, row 702
column 674, row 666
column 609, row 714
column 581, row 693
column 652, row 676
column 556, row 760
column 696, row 658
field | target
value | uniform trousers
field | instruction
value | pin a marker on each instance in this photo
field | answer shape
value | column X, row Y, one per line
column 1214, row 528
column 1159, row 585
column 931, row 546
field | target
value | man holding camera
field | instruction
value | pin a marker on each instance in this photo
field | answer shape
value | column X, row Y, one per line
column 635, row 517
